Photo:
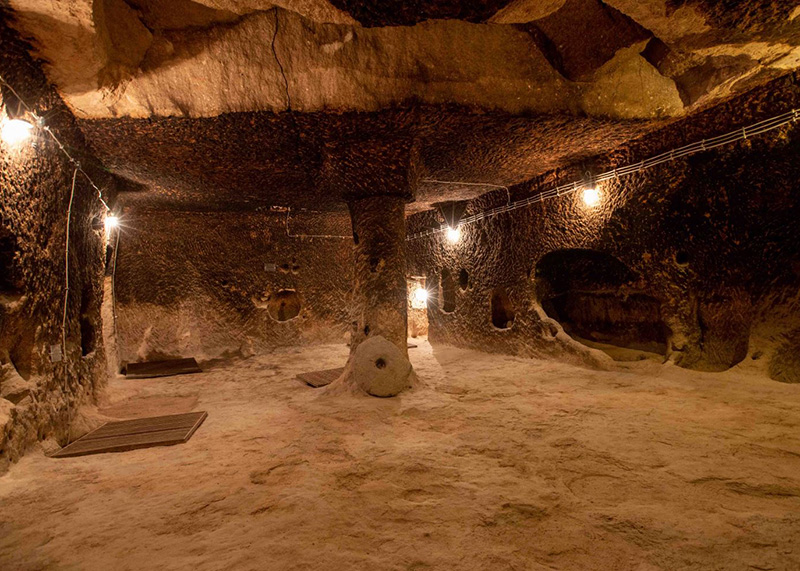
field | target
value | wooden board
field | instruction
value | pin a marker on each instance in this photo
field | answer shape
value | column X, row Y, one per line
column 136, row 433
column 150, row 369
column 318, row 379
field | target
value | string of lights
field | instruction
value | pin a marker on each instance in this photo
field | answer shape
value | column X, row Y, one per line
column 15, row 131
column 40, row 122
column 697, row 147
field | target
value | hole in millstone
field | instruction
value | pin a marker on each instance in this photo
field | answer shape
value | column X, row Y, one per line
column 447, row 291
column 682, row 258
column 463, row 279
column 284, row 305
column 380, row 363
column 502, row 311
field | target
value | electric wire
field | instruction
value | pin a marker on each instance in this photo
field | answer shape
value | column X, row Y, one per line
column 697, row 147
column 62, row 148
column 66, row 305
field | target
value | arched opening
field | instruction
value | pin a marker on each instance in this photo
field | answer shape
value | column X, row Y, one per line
column 447, row 291
column 284, row 305
column 8, row 249
column 502, row 311
column 88, row 333
column 596, row 299
column 417, row 306
column 463, row 279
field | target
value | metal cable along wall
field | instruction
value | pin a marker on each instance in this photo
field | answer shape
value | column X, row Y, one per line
column 70, row 158
column 77, row 169
column 697, row 147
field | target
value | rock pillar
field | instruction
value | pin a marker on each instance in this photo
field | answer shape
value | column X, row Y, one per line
column 379, row 293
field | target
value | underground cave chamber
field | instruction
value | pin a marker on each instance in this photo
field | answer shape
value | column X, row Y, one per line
column 344, row 284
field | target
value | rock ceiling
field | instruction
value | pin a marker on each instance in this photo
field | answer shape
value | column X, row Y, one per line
column 161, row 84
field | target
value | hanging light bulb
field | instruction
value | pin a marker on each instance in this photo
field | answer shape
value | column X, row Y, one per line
column 453, row 234
column 112, row 222
column 591, row 196
column 15, row 131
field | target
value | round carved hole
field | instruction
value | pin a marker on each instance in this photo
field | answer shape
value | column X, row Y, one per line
column 380, row 363
column 682, row 258
column 284, row 305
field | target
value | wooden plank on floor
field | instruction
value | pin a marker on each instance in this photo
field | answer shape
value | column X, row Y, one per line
column 167, row 368
column 318, row 379
column 141, row 425
column 137, row 433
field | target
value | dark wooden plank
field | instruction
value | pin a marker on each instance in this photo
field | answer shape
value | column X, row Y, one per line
column 156, row 436
column 150, row 369
column 318, row 379
column 137, row 426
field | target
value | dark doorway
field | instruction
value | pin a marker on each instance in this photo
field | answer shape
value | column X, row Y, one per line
column 597, row 298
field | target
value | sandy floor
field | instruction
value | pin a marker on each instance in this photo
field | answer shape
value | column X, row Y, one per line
column 497, row 463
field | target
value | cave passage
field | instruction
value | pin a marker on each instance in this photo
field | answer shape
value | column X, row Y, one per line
column 594, row 296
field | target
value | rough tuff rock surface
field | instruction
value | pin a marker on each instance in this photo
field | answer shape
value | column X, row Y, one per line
column 496, row 463
column 695, row 259
column 377, row 367
column 262, row 159
column 379, row 288
column 38, row 398
column 211, row 284
column 495, row 92
column 116, row 58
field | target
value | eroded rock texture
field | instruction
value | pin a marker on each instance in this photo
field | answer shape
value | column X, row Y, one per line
column 134, row 57
column 38, row 397
column 696, row 259
column 379, row 291
column 213, row 284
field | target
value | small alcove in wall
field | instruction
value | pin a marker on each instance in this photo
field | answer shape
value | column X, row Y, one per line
column 503, row 313
column 447, row 291
column 596, row 299
column 284, row 305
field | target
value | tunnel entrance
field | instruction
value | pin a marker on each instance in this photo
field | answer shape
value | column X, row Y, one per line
column 595, row 298
column 417, row 306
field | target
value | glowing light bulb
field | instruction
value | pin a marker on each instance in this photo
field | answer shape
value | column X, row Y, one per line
column 15, row 131
column 453, row 234
column 591, row 196
column 112, row 222
column 421, row 295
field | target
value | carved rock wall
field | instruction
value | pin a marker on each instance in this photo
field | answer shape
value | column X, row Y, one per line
column 38, row 397
column 713, row 238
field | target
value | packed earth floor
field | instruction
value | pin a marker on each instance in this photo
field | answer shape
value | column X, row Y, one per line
column 493, row 462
